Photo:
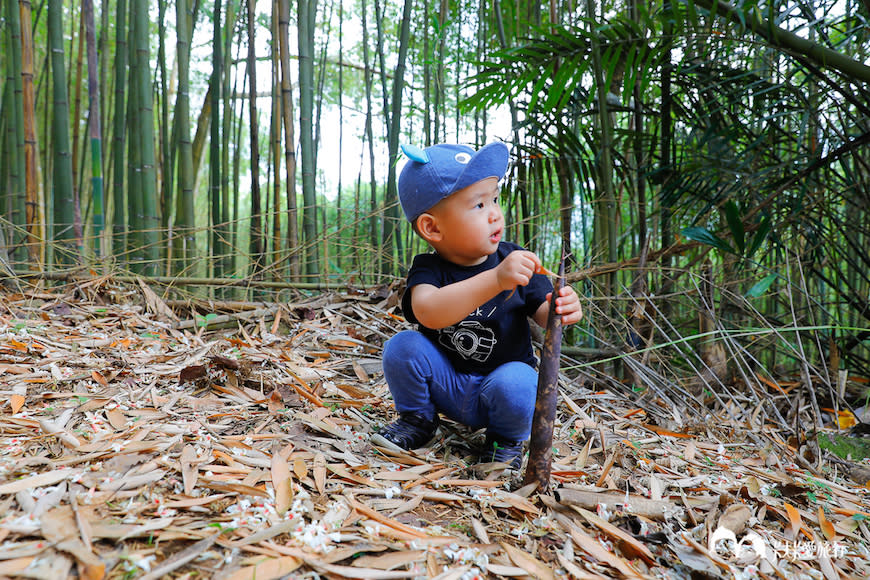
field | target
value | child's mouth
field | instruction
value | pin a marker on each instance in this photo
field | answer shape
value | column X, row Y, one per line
column 496, row 237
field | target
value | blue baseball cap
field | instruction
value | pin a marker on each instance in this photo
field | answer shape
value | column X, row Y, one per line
column 436, row 172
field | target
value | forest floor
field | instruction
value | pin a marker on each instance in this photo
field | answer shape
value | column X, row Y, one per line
column 141, row 439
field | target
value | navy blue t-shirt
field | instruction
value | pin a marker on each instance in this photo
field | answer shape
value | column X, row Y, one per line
column 494, row 334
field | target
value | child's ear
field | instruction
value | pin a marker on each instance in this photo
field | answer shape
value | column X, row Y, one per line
column 428, row 228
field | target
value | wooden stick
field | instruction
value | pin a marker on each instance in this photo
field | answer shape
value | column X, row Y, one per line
column 541, row 441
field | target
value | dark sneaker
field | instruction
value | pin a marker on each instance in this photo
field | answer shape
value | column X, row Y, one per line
column 500, row 450
column 410, row 430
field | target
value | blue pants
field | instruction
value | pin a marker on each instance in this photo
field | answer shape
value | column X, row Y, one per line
column 422, row 380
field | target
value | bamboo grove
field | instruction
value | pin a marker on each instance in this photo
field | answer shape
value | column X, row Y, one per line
column 704, row 151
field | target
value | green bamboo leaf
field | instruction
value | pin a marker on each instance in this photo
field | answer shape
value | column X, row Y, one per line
column 705, row 236
column 760, row 235
column 761, row 286
column 735, row 224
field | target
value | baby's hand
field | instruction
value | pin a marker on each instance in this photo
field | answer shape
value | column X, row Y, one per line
column 568, row 305
column 517, row 269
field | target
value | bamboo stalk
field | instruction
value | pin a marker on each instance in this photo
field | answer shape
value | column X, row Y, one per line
column 289, row 135
column 33, row 207
column 62, row 174
column 94, row 123
column 119, row 217
column 541, row 441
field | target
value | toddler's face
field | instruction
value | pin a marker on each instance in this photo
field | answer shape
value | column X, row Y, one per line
column 471, row 222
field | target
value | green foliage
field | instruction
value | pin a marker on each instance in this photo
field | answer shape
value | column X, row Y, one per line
column 852, row 448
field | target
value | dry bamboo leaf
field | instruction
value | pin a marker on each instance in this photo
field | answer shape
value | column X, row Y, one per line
column 378, row 517
column 275, row 402
column 267, row 534
column 189, row 471
column 667, row 433
column 116, row 419
column 147, row 528
column 51, row 565
column 16, row 566
column 390, row 560
column 407, row 506
column 794, row 519
column 830, row 571
column 181, row 558
column 826, row 526
column 528, row 562
column 507, row 571
column 319, row 472
column 35, row 481
column 270, row 569
column 67, row 438
column 452, row 574
column 574, row 570
column 360, row 372
column 323, row 426
column 300, row 468
column 131, row 481
column 58, row 526
column 690, row 450
column 282, row 484
column 591, row 546
column 518, row 502
column 114, row 531
column 155, row 303
column 360, row 573
column 98, row 376
column 479, row 531
column 230, row 487
column 625, row 539
column 397, row 475
column 342, row 472
column 735, row 517
column 194, row 501
column 16, row 402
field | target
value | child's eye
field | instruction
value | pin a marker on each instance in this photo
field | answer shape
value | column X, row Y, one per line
column 479, row 205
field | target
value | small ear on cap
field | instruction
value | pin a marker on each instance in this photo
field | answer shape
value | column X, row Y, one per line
column 415, row 153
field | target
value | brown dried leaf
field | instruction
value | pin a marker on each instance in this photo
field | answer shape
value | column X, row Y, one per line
column 529, row 563
column 275, row 402
column 225, row 362
column 269, row 569
column 116, row 419
column 794, row 518
column 634, row 547
column 189, row 471
column 192, row 373
column 827, row 527
column 36, row 481
column 58, row 526
column 281, row 483
column 735, row 517
column 97, row 376
column 16, row 402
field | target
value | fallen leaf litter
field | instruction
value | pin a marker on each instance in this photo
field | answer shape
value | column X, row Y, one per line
column 138, row 440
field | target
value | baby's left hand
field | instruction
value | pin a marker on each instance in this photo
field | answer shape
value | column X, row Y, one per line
column 568, row 305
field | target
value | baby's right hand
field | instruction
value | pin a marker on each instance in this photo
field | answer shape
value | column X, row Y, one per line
column 517, row 269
